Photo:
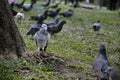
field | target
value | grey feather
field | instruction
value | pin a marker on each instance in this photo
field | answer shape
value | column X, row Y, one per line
column 42, row 37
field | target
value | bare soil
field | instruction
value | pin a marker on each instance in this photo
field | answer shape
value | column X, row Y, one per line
column 60, row 65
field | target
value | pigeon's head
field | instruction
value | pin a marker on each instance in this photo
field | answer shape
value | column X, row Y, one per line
column 44, row 26
column 110, row 70
column 98, row 21
column 102, row 48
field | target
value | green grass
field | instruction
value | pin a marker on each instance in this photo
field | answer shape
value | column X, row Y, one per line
column 77, row 40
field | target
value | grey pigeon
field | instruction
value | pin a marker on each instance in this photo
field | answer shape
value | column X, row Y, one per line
column 113, row 73
column 100, row 64
column 42, row 38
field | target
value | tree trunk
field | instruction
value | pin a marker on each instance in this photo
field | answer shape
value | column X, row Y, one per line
column 11, row 41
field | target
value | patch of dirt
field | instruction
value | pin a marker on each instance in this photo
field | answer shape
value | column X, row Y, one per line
column 59, row 64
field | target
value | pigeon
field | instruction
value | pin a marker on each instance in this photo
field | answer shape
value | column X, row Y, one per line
column 20, row 16
column 113, row 73
column 43, row 16
column 96, row 26
column 42, row 38
column 14, row 13
column 56, row 28
column 100, row 64
column 11, row 5
column 53, row 14
column 40, row 18
column 35, row 27
column 67, row 14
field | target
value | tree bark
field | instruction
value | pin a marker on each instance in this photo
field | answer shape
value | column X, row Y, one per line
column 11, row 41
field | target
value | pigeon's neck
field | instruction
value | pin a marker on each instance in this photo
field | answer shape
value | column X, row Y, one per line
column 43, row 31
column 103, row 52
column 61, row 25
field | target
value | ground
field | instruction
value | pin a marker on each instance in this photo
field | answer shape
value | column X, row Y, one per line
column 64, row 69
column 71, row 52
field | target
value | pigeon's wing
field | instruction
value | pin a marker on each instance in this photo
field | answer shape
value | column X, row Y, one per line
column 105, row 66
column 51, row 28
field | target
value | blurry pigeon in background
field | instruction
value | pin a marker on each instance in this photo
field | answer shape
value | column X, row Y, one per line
column 40, row 18
column 42, row 38
column 53, row 14
column 35, row 27
column 100, row 64
column 113, row 73
column 67, row 14
column 20, row 16
column 96, row 26
column 56, row 28
column 14, row 13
